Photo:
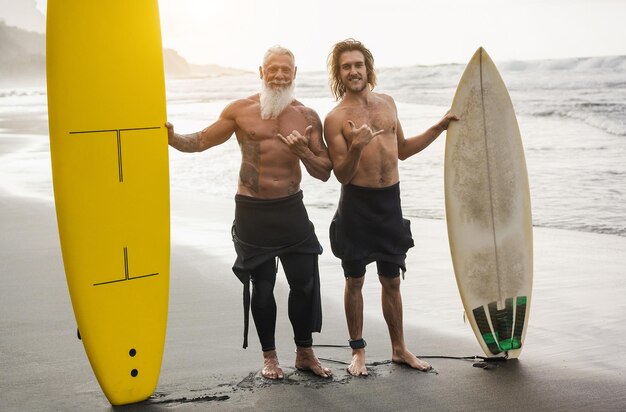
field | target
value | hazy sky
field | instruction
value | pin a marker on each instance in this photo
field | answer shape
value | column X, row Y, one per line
column 236, row 33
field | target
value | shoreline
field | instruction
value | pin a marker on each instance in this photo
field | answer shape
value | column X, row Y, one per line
column 25, row 166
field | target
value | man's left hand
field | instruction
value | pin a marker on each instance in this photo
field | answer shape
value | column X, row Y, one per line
column 297, row 143
column 445, row 121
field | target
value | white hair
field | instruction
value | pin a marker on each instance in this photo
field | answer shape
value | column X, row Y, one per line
column 280, row 50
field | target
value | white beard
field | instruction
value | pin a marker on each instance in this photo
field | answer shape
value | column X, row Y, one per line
column 275, row 100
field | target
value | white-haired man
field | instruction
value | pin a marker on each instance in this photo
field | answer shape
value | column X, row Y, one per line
column 275, row 133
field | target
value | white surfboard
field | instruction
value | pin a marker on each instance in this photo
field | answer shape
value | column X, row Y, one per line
column 488, row 209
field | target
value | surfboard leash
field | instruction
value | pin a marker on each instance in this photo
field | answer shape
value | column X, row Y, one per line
column 482, row 362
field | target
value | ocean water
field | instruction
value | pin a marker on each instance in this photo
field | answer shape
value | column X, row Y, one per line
column 572, row 115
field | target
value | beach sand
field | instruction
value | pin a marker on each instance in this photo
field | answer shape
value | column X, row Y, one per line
column 574, row 356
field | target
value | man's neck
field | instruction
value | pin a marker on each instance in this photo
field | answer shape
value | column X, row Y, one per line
column 362, row 98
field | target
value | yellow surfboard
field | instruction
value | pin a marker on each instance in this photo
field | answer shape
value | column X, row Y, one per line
column 106, row 108
column 488, row 210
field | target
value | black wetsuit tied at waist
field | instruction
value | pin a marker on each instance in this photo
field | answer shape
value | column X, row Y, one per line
column 368, row 226
column 269, row 228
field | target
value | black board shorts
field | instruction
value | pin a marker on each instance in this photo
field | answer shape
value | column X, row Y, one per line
column 369, row 227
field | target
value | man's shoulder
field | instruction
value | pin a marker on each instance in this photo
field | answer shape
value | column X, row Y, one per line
column 247, row 101
column 307, row 111
column 336, row 116
column 239, row 106
column 298, row 105
column 383, row 103
column 384, row 97
column 338, row 111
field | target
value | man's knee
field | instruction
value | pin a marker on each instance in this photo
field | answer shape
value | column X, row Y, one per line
column 355, row 284
column 390, row 284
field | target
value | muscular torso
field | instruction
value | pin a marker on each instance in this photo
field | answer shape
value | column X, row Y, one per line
column 268, row 168
column 378, row 166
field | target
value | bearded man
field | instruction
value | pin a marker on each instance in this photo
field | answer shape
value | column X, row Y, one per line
column 365, row 140
column 275, row 133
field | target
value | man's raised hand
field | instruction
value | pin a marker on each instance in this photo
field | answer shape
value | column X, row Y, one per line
column 297, row 143
column 360, row 137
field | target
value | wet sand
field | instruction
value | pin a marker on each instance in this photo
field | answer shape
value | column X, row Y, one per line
column 574, row 356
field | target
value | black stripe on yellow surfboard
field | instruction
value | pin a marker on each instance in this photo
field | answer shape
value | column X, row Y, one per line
column 127, row 276
column 116, row 130
column 118, row 133
column 126, row 263
column 119, row 157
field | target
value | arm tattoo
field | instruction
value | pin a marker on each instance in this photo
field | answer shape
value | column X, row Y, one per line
column 313, row 119
column 249, row 172
column 186, row 142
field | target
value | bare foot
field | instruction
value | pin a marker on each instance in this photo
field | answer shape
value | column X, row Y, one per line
column 307, row 361
column 357, row 367
column 271, row 368
column 407, row 358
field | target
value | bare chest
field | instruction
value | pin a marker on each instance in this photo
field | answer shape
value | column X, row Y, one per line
column 376, row 117
column 252, row 128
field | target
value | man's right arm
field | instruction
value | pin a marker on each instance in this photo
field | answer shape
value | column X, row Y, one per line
column 213, row 135
column 345, row 157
